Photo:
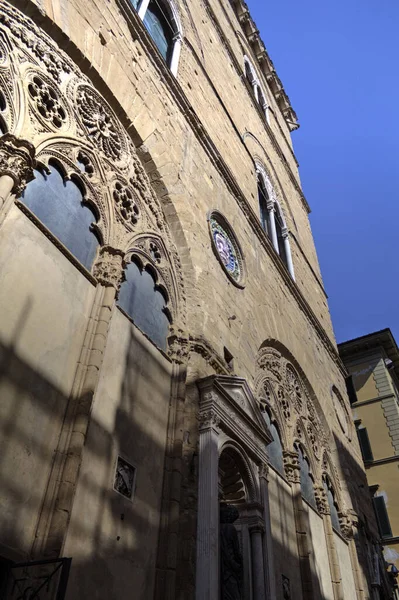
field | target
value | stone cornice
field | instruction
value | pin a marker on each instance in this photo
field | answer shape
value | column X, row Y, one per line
column 265, row 63
column 202, row 135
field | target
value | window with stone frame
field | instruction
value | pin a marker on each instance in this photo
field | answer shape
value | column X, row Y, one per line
column 274, row 450
column 272, row 219
column 59, row 203
column 307, row 483
column 161, row 21
column 253, row 80
column 329, row 490
column 145, row 302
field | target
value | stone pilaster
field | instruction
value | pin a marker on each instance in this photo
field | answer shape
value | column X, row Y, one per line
column 207, row 573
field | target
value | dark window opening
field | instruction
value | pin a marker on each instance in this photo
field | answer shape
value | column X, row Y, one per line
column 307, row 487
column 280, row 238
column 143, row 301
column 229, row 358
column 364, row 443
column 158, row 23
column 332, row 505
column 264, row 213
column 382, row 517
column 60, row 206
column 274, row 450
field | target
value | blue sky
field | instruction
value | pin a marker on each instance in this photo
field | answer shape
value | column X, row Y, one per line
column 338, row 62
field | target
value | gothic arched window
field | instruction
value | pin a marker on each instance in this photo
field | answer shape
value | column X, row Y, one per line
column 160, row 20
column 329, row 490
column 272, row 220
column 263, row 209
column 274, row 450
column 145, row 302
column 254, row 82
column 60, row 206
column 307, row 487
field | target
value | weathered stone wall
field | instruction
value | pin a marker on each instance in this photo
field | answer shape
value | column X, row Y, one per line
column 197, row 138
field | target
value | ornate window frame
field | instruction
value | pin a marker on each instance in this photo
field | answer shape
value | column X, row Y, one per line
column 225, row 225
column 274, row 211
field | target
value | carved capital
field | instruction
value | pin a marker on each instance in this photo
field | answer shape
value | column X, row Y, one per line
column 209, row 419
column 178, row 345
column 17, row 160
column 291, row 466
column 264, row 471
column 346, row 525
column 321, row 500
column 109, row 268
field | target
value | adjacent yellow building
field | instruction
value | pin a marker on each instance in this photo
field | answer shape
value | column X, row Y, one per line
column 373, row 362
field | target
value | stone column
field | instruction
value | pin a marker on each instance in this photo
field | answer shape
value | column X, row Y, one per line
column 168, row 545
column 335, row 570
column 17, row 161
column 52, row 527
column 349, row 525
column 176, row 53
column 257, row 562
column 268, row 540
column 272, row 222
column 292, row 470
column 208, row 567
column 287, row 248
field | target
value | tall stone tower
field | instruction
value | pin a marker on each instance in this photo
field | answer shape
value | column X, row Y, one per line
column 173, row 416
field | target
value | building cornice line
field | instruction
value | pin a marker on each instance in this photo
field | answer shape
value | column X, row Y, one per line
column 373, row 400
column 381, row 461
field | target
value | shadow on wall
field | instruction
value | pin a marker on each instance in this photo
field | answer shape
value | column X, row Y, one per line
column 358, row 490
column 111, row 539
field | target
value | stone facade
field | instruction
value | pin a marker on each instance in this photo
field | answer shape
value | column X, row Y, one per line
column 116, row 449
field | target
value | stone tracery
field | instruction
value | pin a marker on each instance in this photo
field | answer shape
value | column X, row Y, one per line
column 94, row 146
column 279, row 385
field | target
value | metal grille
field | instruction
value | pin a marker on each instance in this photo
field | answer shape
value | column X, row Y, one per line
column 38, row 580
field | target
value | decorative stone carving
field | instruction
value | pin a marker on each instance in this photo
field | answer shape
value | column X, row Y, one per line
column 17, row 160
column 346, row 525
column 47, row 101
column 126, row 203
column 264, row 471
column 231, row 562
column 294, row 388
column 321, row 500
column 109, row 268
column 291, row 466
column 208, row 419
column 227, row 248
column 101, row 125
column 313, row 439
column 179, row 347
column 37, row 42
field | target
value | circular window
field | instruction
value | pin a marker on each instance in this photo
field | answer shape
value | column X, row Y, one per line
column 226, row 248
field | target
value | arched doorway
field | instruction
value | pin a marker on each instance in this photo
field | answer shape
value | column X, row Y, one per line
column 233, row 515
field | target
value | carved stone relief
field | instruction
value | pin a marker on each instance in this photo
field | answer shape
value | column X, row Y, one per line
column 57, row 108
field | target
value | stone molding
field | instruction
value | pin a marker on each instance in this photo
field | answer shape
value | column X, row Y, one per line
column 227, row 403
column 17, row 160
